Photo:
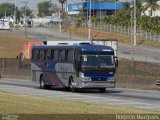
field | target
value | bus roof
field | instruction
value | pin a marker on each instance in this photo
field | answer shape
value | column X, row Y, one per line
column 85, row 47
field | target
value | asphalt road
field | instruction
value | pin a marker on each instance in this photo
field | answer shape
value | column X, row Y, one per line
column 141, row 99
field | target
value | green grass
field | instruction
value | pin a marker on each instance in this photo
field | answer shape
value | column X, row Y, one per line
column 23, row 104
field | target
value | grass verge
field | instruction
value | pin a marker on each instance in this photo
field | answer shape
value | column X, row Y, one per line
column 23, row 104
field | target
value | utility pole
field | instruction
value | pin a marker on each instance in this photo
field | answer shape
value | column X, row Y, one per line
column 5, row 14
column 59, row 12
column 100, row 12
column 132, row 49
column 135, row 23
column 82, row 8
column 25, row 7
column 89, row 23
column 15, row 3
column 66, row 6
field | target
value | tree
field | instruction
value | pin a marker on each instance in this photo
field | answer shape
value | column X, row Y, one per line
column 7, row 9
column 62, row 3
column 55, row 8
column 44, row 8
column 152, row 4
column 139, row 7
column 79, row 19
column 28, row 11
column 95, row 19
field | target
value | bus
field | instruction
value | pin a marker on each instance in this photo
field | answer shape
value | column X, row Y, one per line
column 4, row 24
column 74, row 67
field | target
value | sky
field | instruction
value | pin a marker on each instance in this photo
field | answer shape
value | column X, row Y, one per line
column 32, row 3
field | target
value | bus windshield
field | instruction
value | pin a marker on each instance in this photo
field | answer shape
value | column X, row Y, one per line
column 101, row 61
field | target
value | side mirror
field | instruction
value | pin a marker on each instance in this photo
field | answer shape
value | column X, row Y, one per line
column 116, row 61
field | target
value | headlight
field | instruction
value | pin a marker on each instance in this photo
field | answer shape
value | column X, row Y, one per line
column 110, row 79
column 85, row 78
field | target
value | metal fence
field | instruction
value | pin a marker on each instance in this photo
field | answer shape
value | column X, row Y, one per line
column 123, row 30
column 13, row 68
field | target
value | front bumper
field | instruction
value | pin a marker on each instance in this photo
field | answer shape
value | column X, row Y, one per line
column 97, row 84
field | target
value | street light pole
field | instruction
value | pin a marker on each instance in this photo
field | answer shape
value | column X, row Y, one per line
column 131, row 33
column 135, row 22
column 89, row 23
column 115, row 6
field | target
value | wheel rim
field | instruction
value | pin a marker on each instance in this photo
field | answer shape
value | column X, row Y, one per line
column 41, row 83
column 71, row 86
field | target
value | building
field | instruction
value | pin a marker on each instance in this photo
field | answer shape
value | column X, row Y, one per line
column 150, row 12
column 100, row 9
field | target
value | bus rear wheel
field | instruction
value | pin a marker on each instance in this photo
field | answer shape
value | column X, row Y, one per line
column 41, row 83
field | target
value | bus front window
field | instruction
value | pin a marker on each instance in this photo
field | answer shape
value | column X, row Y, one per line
column 101, row 61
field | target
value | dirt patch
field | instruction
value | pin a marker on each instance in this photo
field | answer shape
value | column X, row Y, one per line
column 95, row 34
column 137, row 82
column 10, row 45
column 137, row 75
column 17, row 74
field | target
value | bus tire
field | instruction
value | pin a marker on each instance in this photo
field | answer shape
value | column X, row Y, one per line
column 67, row 88
column 71, row 86
column 41, row 82
column 102, row 90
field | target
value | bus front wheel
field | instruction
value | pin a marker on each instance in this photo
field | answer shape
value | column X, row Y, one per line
column 71, row 86
column 102, row 90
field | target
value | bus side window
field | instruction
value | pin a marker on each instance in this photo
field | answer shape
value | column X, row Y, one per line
column 60, row 55
column 38, row 55
column 45, row 55
column 66, row 55
column 35, row 54
column 56, row 54
column 63, row 55
column 77, row 54
column 70, row 56
column 41, row 55
column 48, row 57
column 52, row 55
